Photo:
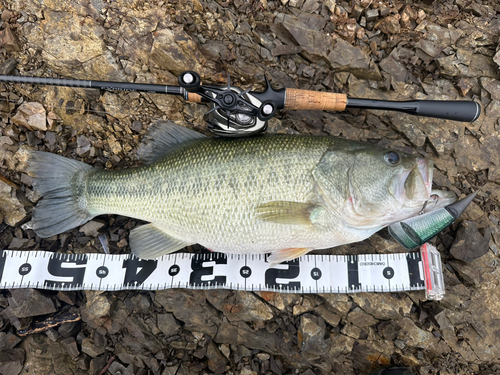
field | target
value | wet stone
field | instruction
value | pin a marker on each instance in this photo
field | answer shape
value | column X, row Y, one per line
column 347, row 58
column 32, row 116
column 216, row 360
column 469, row 243
column 239, row 305
column 97, row 364
column 30, row 302
column 97, row 309
column 52, row 334
column 90, row 348
column 8, row 341
column 167, row 324
column 8, row 66
column 69, row 329
column 12, row 210
column 9, row 41
column 389, row 25
column 71, row 347
column 91, row 228
column 11, row 361
column 83, row 145
column 311, row 336
column 312, row 41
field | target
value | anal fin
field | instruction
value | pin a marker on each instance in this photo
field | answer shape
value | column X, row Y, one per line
column 284, row 255
column 284, row 212
column 149, row 242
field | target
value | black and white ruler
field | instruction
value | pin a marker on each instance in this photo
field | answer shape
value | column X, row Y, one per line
column 308, row 274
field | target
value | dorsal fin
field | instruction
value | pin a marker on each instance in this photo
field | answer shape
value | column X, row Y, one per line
column 161, row 139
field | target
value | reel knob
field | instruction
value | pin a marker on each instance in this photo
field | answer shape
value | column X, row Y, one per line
column 190, row 81
column 267, row 110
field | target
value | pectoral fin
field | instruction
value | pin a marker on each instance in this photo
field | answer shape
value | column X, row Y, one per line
column 286, row 254
column 283, row 212
column 149, row 242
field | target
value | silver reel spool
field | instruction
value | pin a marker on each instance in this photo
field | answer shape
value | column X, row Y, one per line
column 236, row 124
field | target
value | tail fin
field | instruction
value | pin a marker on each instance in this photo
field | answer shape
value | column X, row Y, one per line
column 60, row 182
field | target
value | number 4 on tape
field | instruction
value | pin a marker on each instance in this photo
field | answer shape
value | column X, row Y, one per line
column 419, row 270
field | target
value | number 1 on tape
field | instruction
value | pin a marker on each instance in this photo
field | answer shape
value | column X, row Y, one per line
column 308, row 274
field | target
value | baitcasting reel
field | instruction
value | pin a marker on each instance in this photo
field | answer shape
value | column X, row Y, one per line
column 234, row 112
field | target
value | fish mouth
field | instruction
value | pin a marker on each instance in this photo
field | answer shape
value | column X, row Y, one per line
column 414, row 186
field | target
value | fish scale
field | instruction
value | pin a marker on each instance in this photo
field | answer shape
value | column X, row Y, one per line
column 207, row 192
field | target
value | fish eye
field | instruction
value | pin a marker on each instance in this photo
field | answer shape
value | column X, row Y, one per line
column 392, row 157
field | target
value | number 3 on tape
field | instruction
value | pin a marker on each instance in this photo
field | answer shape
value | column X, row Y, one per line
column 308, row 274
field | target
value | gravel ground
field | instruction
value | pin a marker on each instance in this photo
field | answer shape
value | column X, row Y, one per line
column 369, row 49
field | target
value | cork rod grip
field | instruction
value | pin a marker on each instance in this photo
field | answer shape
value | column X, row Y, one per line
column 314, row 100
column 194, row 98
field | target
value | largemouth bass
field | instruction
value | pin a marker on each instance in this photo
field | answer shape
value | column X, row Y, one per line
column 279, row 194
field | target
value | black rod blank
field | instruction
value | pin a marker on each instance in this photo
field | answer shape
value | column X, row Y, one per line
column 458, row 110
column 104, row 85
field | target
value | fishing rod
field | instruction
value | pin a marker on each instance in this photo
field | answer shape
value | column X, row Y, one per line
column 235, row 112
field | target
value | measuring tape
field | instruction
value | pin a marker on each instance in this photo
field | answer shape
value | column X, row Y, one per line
column 307, row 274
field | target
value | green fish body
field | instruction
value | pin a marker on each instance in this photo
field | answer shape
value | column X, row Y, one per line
column 283, row 194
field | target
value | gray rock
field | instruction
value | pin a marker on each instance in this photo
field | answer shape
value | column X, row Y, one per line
column 441, row 35
column 91, row 228
column 175, row 51
column 346, row 58
column 167, row 324
column 97, row 309
column 71, row 347
column 383, row 305
column 52, row 334
column 31, row 115
column 389, row 25
column 12, row 210
column 46, row 357
column 69, row 329
column 8, row 66
column 216, row 360
column 8, row 341
column 83, row 145
column 138, row 335
column 394, row 67
column 483, row 66
column 496, row 58
column 238, row 305
column 96, row 364
column 313, row 42
column 11, row 361
column 191, row 308
column 469, row 243
column 9, row 41
column 89, row 347
column 30, row 302
column 430, row 48
column 18, row 243
column 311, row 336
column 389, row 329
column 416, row 337
column 371, row 15
column 492, row 86
column 360, row 318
